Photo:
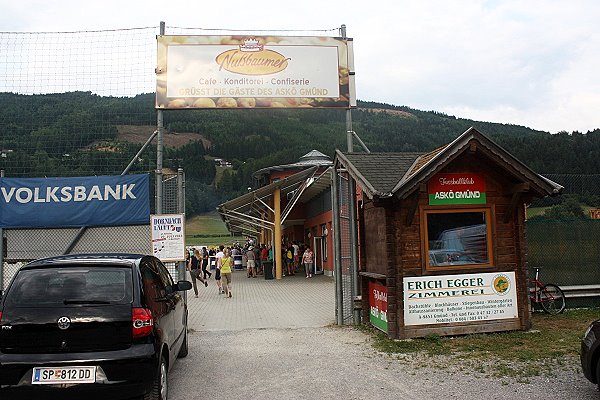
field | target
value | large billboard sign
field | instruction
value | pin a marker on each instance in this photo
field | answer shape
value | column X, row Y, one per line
column 74, row 201
column 254, row 72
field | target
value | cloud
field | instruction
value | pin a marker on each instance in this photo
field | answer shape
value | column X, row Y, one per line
column 525, row 62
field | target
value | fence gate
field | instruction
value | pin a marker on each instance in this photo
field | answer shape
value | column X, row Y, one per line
column 173, row 202
column 345, row 247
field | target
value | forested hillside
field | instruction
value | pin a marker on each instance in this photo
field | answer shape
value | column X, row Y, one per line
column 83, row 134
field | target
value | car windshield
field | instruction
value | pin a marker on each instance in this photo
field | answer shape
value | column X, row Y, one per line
column 71, row 285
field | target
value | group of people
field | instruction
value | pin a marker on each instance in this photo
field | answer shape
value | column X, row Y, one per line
column 197, row 265
column 296, row 255
column 253, row 259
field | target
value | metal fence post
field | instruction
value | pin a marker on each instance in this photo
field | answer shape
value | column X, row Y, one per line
column 352, row 212
column 181, row 210
column 159, row 148
column 1, row 251
column 337, row 246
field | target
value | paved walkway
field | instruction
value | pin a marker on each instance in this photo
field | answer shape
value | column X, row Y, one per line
column 276, row 340
column 291, row 302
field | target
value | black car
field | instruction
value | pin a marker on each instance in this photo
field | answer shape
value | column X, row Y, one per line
column 96, row 325
column 590, row 352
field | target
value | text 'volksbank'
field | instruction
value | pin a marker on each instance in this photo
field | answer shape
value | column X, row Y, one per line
column 66, row 194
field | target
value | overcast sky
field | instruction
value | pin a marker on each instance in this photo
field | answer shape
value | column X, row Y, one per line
column 526, row 62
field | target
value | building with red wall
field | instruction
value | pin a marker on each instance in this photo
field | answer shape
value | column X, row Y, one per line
column 304, row 192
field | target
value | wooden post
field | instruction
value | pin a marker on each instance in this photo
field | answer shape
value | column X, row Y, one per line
column 277, row 233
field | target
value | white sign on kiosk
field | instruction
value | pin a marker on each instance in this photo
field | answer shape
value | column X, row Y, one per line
column 447, row 299
column 168, row 236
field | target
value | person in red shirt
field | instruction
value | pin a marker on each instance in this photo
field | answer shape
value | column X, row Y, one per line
column 264, row 253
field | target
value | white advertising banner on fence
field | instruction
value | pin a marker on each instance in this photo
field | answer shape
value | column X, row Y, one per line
column 447, row 299
column 253, row 72
column 168, row 236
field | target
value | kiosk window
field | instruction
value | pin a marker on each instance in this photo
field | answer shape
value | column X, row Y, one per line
column 458, row 238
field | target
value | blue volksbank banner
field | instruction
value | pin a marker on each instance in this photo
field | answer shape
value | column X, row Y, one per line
column 74, row 201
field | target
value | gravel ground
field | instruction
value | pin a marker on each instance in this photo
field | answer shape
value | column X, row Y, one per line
column 340, row 363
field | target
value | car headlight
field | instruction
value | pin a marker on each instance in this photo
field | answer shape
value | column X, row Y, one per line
column 587, row 331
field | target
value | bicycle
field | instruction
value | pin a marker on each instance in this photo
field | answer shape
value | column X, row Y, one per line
column 549, row 296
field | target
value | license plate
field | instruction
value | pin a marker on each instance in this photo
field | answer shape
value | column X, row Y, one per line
column 53, row 376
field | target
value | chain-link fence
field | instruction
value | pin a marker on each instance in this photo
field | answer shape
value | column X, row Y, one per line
column 346, row 247
column 562, row 238
column 49, row 127
column 80, row 104
column 567, row 252
column 24, row 245
column 49, row 81
column 173, row 202
column 52, row 135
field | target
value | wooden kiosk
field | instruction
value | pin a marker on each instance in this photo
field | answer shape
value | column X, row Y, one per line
column 442, row 238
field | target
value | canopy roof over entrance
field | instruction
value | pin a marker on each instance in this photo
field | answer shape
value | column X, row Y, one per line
column 250, row 213
column 310, row 159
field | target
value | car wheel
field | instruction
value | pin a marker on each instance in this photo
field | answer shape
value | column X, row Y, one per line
column 160, row 386
column 183, row 351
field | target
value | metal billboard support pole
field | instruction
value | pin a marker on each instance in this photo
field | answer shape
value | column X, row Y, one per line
column 337, row 245
column 352, row 208
column 159, row 149
column 354, row 249
column 1, row 251
column 181, row 210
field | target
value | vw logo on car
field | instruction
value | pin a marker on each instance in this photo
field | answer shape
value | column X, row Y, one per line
column 64, row 323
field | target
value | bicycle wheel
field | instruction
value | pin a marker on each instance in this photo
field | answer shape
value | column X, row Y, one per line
column 552, row 299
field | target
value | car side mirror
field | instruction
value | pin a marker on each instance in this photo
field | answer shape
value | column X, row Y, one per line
column 182, row 285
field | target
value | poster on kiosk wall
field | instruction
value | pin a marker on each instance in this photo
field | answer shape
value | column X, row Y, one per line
column 451, row 299
column 168, row 237
column 378, row 306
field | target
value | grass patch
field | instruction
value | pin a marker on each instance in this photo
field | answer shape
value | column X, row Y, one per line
column 515, row 355
column 205, row 224
column 208, row 230
column 536, row 211
column 213, row 241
